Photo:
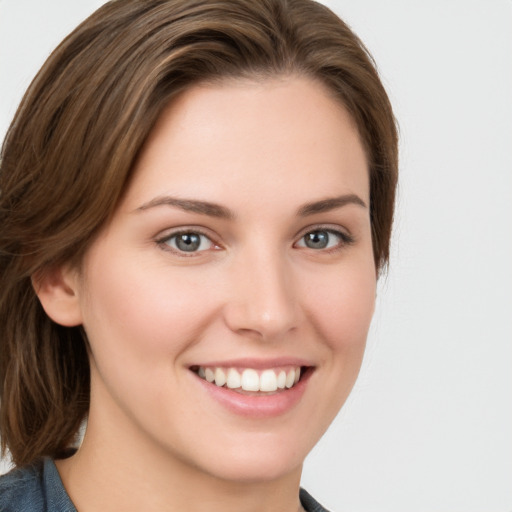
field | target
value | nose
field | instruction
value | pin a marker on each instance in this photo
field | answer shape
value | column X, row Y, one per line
column 263, row 302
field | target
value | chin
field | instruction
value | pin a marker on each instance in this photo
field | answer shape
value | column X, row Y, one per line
column 258, row 460
column 254, row 471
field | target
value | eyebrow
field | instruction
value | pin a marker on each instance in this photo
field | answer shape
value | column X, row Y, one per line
column 216, row 210
column 190, row 205
column 332, row 203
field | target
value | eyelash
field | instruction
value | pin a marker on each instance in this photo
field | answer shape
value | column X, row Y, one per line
column 163, row 241
column 344, row 240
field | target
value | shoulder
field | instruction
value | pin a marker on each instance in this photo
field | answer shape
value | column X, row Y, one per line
column 22, row 489
column 34, row 488
column 309, row 503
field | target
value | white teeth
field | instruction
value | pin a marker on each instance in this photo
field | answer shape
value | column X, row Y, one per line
column 220, row 377
column 268, row 381
column 209, row 374
column 290, row 378
column 250, row 380
column 234, row 380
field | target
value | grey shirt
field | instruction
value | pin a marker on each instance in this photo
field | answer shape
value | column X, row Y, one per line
column 38, row 488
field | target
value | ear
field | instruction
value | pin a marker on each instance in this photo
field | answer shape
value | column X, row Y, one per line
column 57, row 289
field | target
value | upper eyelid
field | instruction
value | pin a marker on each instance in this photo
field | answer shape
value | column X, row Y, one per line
column 170, row 232
column 164, row 236
column 334, row 228
column 345, row 238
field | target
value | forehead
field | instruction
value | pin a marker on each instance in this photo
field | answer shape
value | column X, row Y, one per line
column 241, row 139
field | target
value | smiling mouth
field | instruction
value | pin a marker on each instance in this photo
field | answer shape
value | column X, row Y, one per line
column 252, row 381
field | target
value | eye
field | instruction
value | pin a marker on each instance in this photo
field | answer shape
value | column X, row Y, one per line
column 324, row 239
column 187, row 242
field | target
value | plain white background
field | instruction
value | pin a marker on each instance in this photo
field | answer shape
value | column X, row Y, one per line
column 429, row 425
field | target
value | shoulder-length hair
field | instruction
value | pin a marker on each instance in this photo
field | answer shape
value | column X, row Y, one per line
column 71, row 147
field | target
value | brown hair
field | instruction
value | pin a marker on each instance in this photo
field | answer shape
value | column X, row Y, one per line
column 68, row 155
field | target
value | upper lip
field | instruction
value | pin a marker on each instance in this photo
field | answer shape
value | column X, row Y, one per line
column 256, row 363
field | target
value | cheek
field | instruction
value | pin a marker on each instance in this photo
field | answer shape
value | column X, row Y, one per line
column 342, row 305
column 147, row 300
column 340, row 308
column 139, row 312
column 140, row 318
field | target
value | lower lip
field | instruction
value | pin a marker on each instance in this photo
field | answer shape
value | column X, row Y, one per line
column 257, row 406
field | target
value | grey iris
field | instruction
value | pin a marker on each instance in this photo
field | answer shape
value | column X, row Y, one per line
column 188, row 242
column 317, row 239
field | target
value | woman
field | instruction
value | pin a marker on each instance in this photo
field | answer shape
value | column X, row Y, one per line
column 196, row 200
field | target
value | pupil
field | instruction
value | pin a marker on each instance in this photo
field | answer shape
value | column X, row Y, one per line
column 317, row 239
column 188, row 242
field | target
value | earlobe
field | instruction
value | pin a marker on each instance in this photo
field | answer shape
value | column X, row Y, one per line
column 57, row 290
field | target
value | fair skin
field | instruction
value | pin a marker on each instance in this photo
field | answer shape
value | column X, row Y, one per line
column 223, row 253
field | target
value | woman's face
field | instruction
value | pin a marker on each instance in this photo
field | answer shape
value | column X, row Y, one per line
column 241, row 252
